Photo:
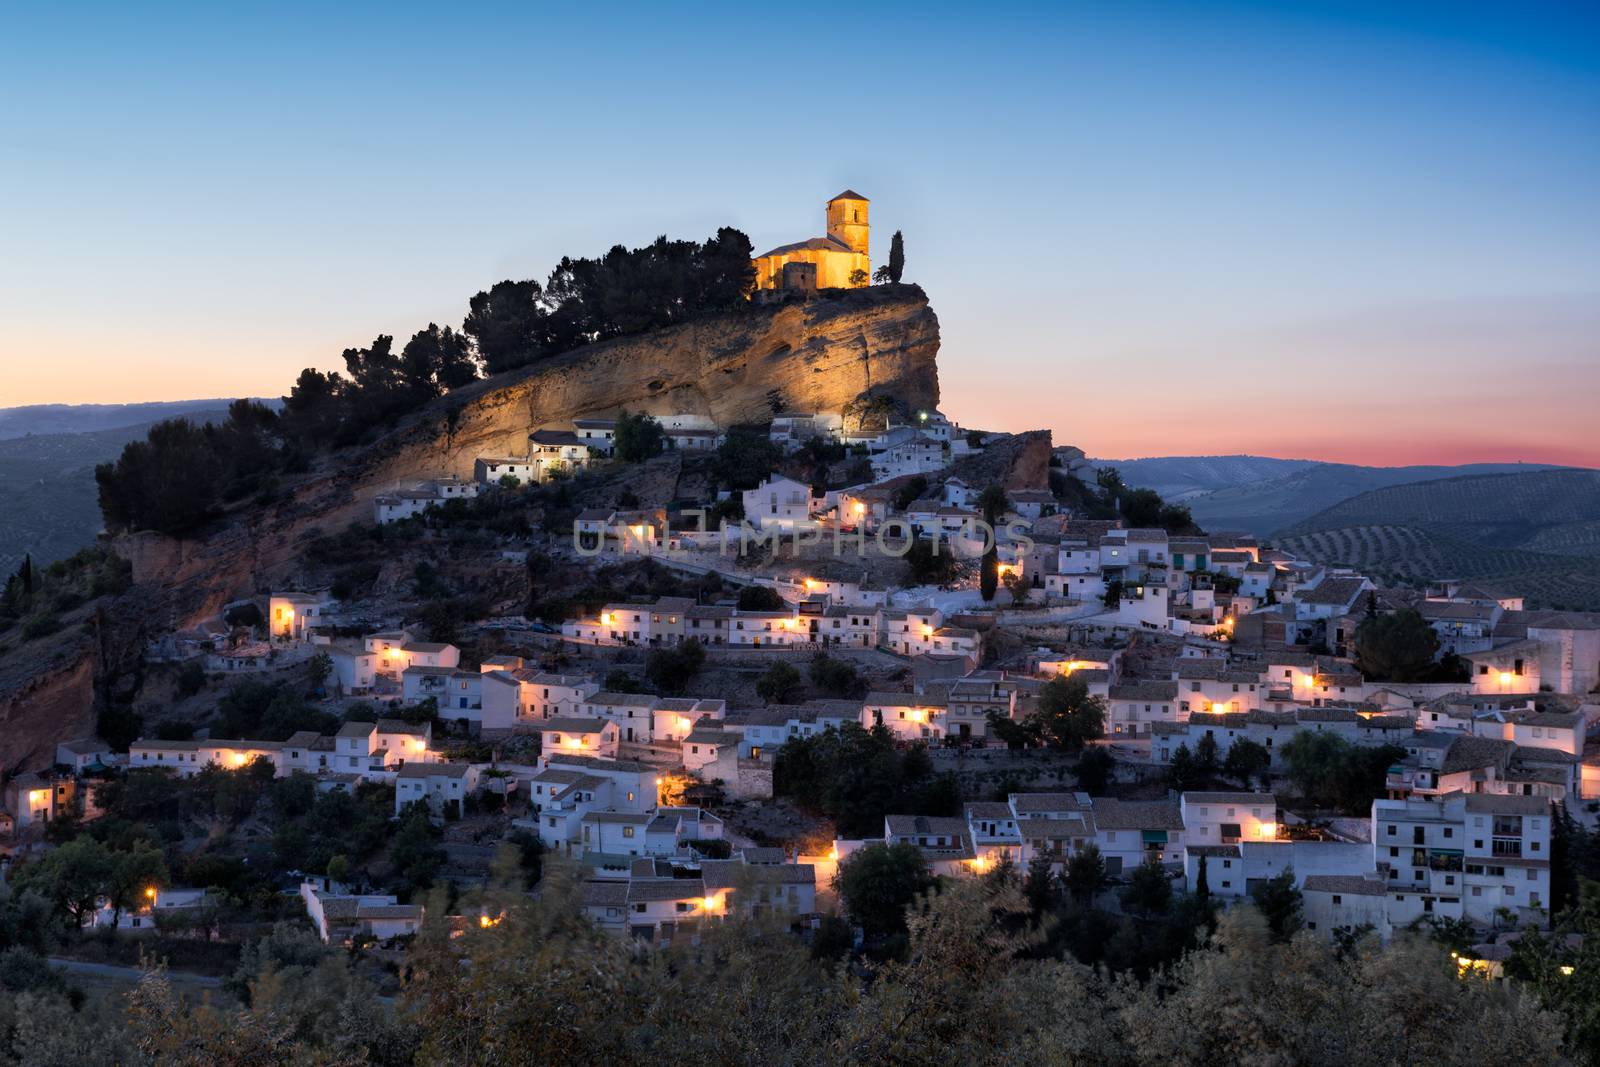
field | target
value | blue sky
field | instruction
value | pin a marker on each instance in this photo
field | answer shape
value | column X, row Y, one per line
column 1362, row 232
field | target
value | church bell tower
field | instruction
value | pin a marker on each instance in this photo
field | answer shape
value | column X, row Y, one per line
column 847, row 220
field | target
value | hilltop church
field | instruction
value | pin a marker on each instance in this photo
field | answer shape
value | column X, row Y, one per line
column 837, row 261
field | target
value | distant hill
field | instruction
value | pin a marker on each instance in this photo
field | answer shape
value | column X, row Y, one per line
column 1533, row 532
column 47, row 481
column 1262, row 507
column 90, row 418
column 1181, row 477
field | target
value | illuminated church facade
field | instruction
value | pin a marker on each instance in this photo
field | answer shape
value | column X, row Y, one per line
column 840, row 260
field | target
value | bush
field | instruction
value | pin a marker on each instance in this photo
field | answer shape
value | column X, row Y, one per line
column 879, row 882
column 714, row 849
column 781, row 684
column 836, row 677
column 191, row 679
column 40, row 626
column 760, row 598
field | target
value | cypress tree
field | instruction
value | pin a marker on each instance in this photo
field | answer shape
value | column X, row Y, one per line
column 897, row 257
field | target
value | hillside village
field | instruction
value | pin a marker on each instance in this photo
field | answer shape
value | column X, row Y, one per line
column 1203, row 672
column 773, row 670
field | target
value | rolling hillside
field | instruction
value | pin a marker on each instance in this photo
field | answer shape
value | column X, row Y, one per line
column 1536, row 533
column 1182, row 477
column 92, row 418
column 48, row 482
column 1264, row 506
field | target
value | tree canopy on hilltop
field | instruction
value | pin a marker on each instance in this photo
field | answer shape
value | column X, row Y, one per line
column 177, row 479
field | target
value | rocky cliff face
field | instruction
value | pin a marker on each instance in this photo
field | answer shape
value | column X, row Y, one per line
column 46, row 695
column 816, row 355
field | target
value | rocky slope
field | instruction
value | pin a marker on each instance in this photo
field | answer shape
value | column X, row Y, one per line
column 814, row 355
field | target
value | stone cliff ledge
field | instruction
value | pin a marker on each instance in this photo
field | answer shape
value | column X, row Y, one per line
column 812, row 355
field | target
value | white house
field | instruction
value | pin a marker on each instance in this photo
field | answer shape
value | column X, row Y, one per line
column 599, row 435
column 290, row 616
column 155, row 901
column 82, row 755
column 405, row 503
column 1463, row 855
column 339, row 917
column 790, row 430
column 30, row 799
column 355, row 667
column 444, row 787
column 459, row 693
column 546, row 695
column 779, row 502
column 1130, row 832
column 580, row 736
column 492, row 470
column 554, row 453
column 910, row 452
column 908, row 716
column 1228, row 818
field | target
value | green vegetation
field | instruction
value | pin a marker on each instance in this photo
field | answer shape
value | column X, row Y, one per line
column 993, row 504
column 879, row 883
column 745, row 458
column 1334, row 773
column 856, row 776
column 179, row 477
column 837, row 678
column 638, row 438
column 780, row 684
column 176, row 480
column 626, row 291
column 670, row 670
column 1111, row 498
column 913, row 489
column 1536, row 533
column 927, row 564
column 1279, row 902
column 896, row 267
column 268, row 711
column 760, row 598
column 1396, row 647
column 1247, row 759
column 1006, row 991
column 1067, row 718
column 35, row 597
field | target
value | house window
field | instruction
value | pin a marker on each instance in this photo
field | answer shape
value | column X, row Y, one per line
column 627, row 831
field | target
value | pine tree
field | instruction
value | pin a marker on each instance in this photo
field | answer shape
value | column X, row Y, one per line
column 897, row 257
column 1202, row 889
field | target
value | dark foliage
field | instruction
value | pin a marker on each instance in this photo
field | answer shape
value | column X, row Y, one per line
column 856, row 776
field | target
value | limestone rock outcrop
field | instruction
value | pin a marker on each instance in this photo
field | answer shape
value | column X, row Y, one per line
column 811, row 355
